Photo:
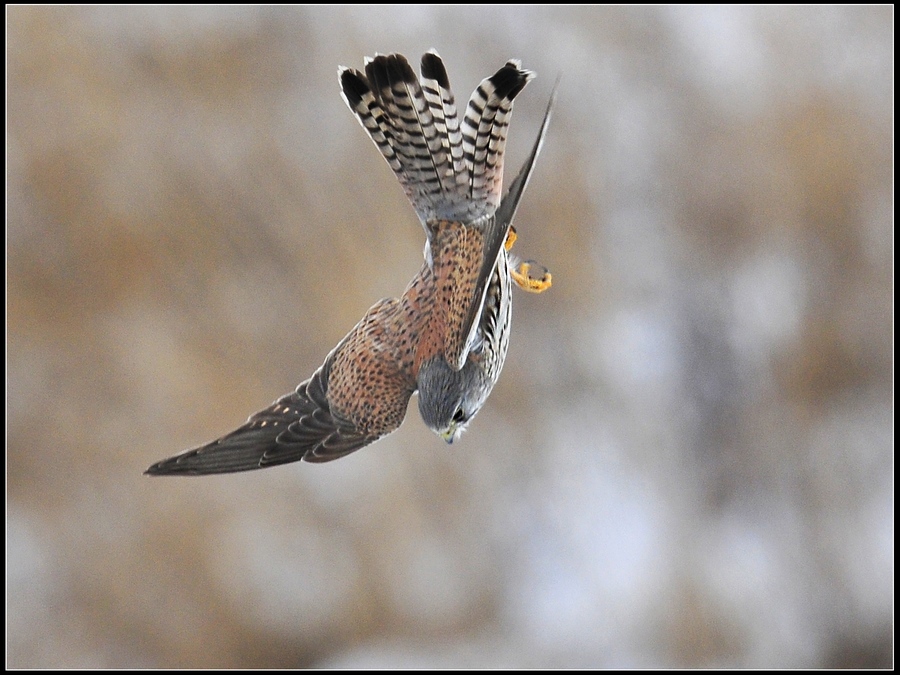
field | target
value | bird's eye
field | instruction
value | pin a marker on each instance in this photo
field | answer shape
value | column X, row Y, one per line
column 458, row 416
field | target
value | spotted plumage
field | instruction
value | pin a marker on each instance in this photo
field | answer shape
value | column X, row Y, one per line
column 447, row 335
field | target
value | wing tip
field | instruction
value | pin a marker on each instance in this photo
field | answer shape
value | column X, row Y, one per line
column 173, row 466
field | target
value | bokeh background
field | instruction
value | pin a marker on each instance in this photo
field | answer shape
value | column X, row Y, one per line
column 688, row 460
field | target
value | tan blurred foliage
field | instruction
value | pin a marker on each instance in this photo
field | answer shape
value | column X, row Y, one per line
column 687, row 462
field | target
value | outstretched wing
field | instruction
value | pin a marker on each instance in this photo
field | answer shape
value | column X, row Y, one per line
column 298, row 426
column 359, row 395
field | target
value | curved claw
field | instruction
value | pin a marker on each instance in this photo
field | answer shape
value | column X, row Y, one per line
column 524, row 279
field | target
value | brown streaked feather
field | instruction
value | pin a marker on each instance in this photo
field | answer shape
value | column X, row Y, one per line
column 457, row 251
column 372, row 375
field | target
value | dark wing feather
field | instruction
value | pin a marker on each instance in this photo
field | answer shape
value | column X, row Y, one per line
column 298, row 426
column 510, row 202
column 497, row 225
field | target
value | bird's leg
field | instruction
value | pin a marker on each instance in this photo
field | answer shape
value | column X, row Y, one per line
column 511, row 237
column 521, row 272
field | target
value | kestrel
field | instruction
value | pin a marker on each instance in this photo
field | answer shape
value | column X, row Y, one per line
column 446, row 337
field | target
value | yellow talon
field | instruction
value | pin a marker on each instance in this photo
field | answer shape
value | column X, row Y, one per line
column 511, row 237
column 528, row 283
column 521, row 276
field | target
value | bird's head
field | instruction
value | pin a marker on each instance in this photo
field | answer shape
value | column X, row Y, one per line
column 448, row 398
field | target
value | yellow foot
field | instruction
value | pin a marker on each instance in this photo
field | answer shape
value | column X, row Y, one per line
column 521, row 273
column 511, row 237
column 524, row 280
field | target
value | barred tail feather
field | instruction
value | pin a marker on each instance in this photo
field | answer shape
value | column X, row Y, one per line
column 436, row 86
column 415, row 136
column 391, row 106
column 359, row 97
column 484, row 131
column 449, row 169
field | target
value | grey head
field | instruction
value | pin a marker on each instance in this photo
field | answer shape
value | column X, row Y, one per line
column 448, row 398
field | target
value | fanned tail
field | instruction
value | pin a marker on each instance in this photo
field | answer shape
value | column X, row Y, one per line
column 450, row 170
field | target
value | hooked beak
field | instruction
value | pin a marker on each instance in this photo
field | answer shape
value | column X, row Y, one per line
column 451, row 434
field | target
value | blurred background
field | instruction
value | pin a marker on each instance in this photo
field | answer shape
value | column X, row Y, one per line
column 687, row 461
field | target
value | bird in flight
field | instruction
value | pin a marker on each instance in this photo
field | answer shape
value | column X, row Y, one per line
column 447, row 336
